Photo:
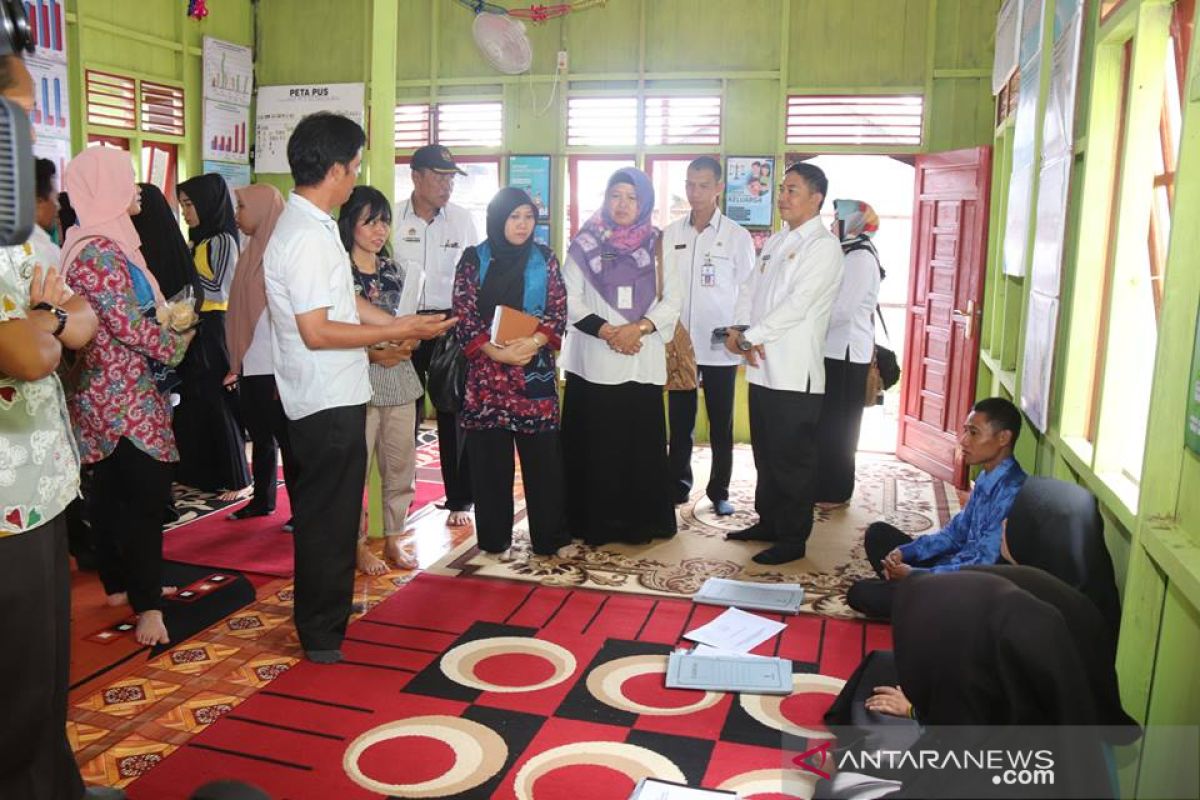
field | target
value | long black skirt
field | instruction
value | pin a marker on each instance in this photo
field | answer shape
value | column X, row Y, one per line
column 615, row 452
column 212, row 448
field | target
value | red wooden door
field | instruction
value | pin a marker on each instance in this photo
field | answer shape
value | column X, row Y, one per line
column 945, row 295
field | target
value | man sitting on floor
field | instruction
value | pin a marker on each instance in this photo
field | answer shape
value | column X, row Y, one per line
column 973, row 536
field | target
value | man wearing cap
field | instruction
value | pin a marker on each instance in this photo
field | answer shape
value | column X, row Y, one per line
column 433, row 232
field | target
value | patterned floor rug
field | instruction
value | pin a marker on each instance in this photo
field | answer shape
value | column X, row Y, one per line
column 887, row 489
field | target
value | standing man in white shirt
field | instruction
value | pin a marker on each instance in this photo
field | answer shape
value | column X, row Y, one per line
column 787, row 307
column 433, row 232
column 321, row 371
column 714, row 256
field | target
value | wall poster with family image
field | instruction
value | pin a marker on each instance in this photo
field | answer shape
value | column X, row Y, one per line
column 749, row 190
column 532, row 173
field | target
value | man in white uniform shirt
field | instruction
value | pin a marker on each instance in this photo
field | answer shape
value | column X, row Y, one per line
column 714, row 256
column 45, row 214
column 321, row 372
column 786, row 308
column 433, row 232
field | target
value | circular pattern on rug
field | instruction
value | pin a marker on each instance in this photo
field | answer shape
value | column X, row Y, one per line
column 768, row 709
column 479, row 753
column 459, row 663
column 630, row 760
column 606, row 683
column 788, row 783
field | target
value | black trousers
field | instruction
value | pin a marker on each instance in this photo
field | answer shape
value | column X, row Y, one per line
column 783, row 437
column 718, row 385
column 491, row 454
column 837, row 434
column 326, row 504
column 456, row 473
column 129, row 490
column 267, row 425
column 35, row 593
column 874, row 597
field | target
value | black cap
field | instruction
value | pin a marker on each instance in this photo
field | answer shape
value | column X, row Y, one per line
column 436, row 158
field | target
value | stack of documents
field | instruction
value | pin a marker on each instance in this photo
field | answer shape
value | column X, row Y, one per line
column 782, row 598
column 654, row 789
column 722, row 661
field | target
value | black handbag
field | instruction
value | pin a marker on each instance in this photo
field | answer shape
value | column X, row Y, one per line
column 889, row 368
column 447, row 374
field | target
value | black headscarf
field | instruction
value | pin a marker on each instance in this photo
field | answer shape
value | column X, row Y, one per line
column 974, row 649
column 505, row 281
column 210, row 195
column 166, row 253
column 1092, row 638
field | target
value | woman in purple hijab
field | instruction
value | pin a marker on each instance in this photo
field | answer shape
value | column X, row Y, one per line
column 619, row 322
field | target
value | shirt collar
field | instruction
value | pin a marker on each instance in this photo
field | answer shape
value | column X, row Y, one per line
column 408, row 212
column 713, row 222
column 309, row 208
column 988, row 478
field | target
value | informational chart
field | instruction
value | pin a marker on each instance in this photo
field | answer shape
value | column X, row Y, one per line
column 228, row 72
column 226, row 132
column 280, row 108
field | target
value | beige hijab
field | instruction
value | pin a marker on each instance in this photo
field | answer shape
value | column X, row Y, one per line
column 248, row 293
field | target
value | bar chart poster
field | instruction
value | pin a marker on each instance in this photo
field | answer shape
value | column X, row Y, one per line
column 226, row 132
column 280, row 108
column 228, row 72
column 51, row 98
column 47, row 28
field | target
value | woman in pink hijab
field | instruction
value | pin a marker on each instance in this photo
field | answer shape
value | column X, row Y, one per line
column 122, row 420
column 248, row 337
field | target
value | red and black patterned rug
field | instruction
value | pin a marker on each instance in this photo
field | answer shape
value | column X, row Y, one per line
column 474, row 688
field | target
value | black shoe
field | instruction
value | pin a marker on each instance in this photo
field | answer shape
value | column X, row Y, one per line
column 247, row 512
column 780, row 554
column 103, row 793
column 755, row 533
column 323, row 656
column 723, row 508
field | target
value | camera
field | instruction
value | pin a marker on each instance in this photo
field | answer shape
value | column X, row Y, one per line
column 16, row 140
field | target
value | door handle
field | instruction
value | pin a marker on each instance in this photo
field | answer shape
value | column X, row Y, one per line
column 967, row 318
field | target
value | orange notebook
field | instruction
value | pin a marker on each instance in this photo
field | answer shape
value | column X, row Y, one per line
column 509, row 324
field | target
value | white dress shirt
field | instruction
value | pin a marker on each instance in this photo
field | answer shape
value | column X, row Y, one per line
column 591, row 358
column 306, row 268
column 787, row 306
column 436, row 246
column 850, row 324
column 712, row 264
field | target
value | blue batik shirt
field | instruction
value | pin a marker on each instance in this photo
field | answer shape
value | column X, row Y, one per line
column 973, row 536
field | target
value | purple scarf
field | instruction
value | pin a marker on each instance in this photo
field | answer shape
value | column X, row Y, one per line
column 613, row 257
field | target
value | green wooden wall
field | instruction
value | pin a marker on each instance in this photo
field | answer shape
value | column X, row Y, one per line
column 153, row 40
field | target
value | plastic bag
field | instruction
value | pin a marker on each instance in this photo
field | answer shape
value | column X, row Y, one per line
column 179, row 312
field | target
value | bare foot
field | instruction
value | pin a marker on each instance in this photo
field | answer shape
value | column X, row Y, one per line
column 397, row 556
column 168, row 591
column 150, row 629
column 368, row 562
column 118, row 599
column 458, row 519
column 230, row 495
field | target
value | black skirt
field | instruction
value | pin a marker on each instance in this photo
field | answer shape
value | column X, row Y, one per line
column 212, row 448
column 615, row 452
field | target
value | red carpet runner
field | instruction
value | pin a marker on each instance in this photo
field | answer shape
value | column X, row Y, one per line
column 467, row 688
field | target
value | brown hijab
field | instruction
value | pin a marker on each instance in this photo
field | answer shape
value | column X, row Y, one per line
column 248, row 292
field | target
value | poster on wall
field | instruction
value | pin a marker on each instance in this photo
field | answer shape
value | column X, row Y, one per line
column 1041, row 324
column 1008, row 44
column 1031, row 29
column 280, row 108
column 1050, row 224
column 749, row 190
column 51, row 98
column 228, row 72
column 541, row 234
column 1020, row 182
column 1191, row 434
column 47, row 28
column 236, row 175
column 532, row 173
column 226, row 132
column 1058, row 125
column 56, row 150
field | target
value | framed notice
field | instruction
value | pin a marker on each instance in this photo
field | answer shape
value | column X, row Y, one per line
column 749, row 190
column 280, row 108
column 532, row 174
column 541, row 233
column 228, row 72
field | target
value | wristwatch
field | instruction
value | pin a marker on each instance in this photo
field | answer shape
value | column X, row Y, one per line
column 743, row 344
column 60, row 315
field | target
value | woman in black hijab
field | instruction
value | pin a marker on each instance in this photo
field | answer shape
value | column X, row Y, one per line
column 166, row 251
column 976, row 649
column 212, row 449
column 511, row 388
